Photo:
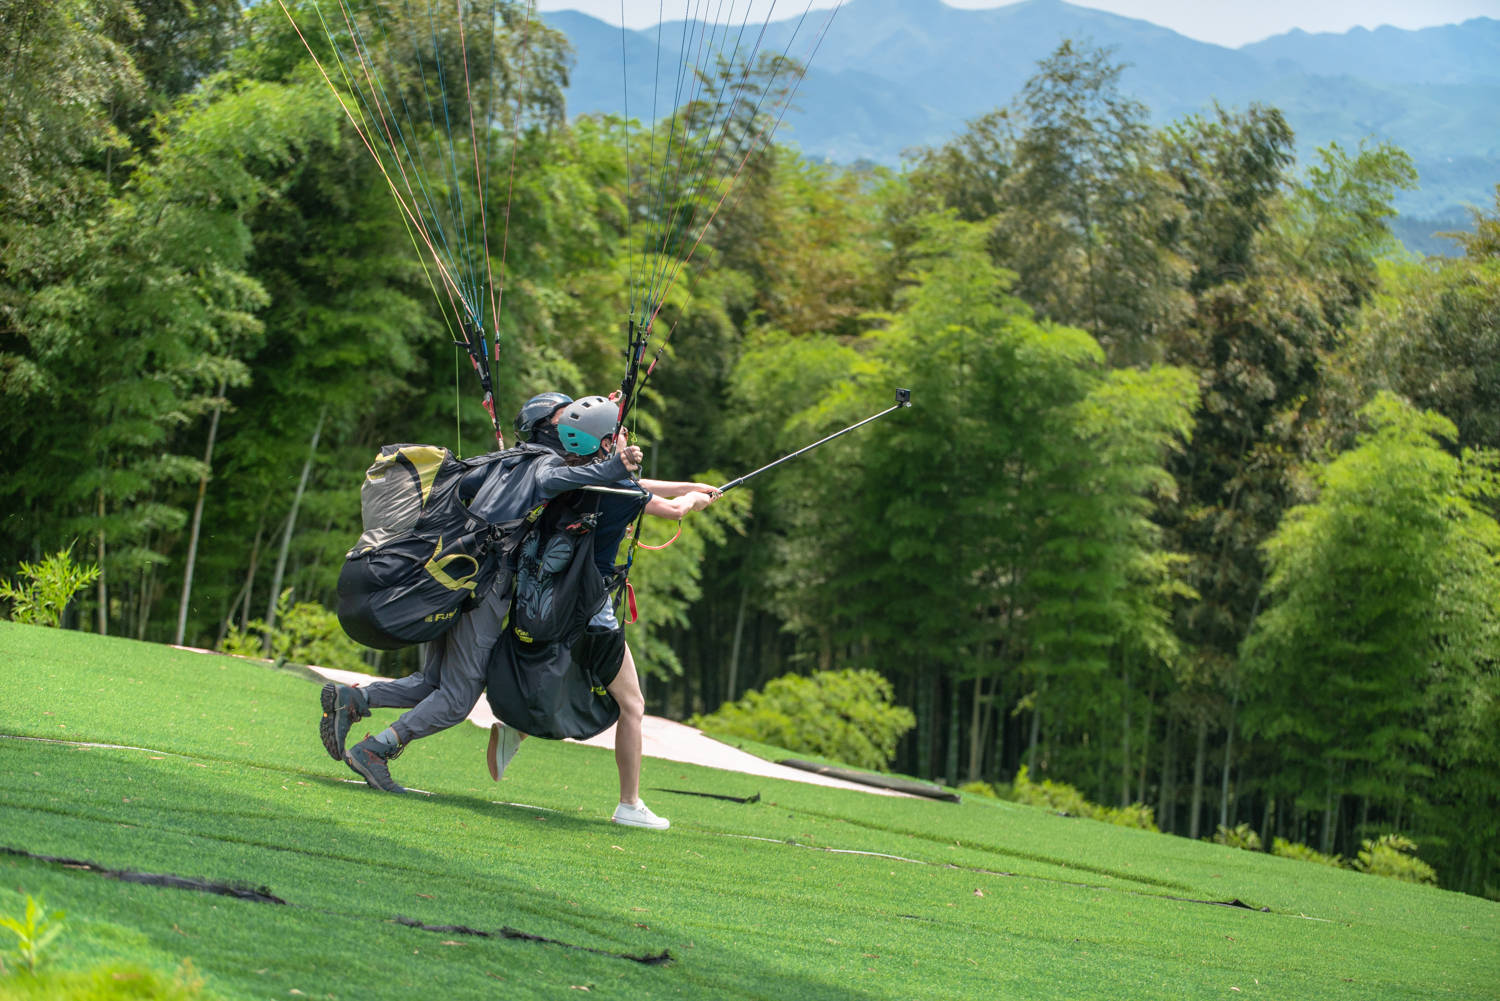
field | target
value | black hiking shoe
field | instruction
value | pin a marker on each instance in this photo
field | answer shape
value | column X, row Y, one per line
column 343, row 706
column 369, row 757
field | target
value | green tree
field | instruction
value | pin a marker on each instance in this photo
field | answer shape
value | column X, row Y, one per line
column 1282, row 271
column 667, row 580
column 972, row 500
column 1228, row 171
column 1087, row 209
column 1101, row 620
column 1432, row 334
column 969, row 173
column 133, row 343
column 1383, row 605
column 358, row 336
column 56, row 144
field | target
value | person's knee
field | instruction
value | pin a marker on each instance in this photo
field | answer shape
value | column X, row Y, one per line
column 627, row 697
column 447, row 711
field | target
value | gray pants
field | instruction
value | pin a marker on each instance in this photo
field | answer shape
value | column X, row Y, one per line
column 448, row 687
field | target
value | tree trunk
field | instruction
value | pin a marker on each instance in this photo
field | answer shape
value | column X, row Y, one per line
column 1036, row 730
column 979, row 719
column 1196, row 820
column 250, row 573
column 1125, row 725
column 143, row 607
column 1234, row 706
column 103, row 573
column 1140, row 787
column 998, row 714
column 192, row 553
column 1166, row 799
column 734, row 647
column 924, row 727
column 954, row 733
column 291, row 524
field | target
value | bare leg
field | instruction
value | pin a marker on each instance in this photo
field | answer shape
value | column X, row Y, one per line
column 626, row 689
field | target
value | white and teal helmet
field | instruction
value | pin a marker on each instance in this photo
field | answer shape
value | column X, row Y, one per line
column 585, row 423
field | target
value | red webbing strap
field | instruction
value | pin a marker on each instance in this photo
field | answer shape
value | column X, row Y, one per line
column 630, row 602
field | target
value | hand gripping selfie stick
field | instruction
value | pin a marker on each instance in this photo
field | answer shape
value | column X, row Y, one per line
column 903, row 399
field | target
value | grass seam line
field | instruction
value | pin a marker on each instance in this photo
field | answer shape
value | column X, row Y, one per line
column 263, row 895
column 660, row 959
column 88, row 743
column 820, row 848
column 259, row 895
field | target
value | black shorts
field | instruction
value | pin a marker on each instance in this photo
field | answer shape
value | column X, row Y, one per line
column 601, row 652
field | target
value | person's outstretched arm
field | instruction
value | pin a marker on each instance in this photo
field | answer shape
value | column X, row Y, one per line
column 673, row 508
column 676, row 488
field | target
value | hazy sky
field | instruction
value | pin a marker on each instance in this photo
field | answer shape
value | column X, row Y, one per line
column 1225, row 22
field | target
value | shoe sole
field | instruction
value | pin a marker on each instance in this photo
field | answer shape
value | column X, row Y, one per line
column 326, row 728
column 644, row 827
column 492, row 752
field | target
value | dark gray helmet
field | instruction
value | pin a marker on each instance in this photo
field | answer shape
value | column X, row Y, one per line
column 539, row 408
column 586, row 423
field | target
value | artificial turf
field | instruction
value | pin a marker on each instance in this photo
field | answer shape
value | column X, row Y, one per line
column 808, row 892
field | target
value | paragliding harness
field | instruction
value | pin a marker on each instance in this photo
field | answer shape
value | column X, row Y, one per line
column 548, row 675
column 558, row 588
column 424, row 559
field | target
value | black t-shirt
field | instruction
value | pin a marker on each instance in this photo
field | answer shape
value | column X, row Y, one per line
column 616, row 514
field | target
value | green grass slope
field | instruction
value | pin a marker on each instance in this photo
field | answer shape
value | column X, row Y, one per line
column 808, row 893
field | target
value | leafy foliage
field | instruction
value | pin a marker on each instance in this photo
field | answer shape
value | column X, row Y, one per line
column 109, row 983
column 1432, row 334
column 1391, row 855
column 844, row 715
column 1383, row 597
column 53, row 582
column 1062, row 798
column 305, row 633
column 1239, row 836
column 35, row 932
column 985, row 789
column 1290, row 849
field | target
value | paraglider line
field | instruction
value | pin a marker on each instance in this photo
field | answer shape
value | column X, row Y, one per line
column 363, row 138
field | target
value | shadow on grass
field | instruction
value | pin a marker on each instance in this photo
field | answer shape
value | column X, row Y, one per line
column 352, row 863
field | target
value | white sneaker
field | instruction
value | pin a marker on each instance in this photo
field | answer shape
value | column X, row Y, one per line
column 504, row 741
column 639, row 815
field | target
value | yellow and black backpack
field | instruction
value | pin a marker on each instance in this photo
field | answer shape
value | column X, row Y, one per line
column 424, row 558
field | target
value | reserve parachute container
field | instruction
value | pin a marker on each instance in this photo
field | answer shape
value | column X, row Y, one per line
column 423, row 559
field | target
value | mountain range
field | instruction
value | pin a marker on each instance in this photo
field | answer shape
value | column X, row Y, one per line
column 891, row 75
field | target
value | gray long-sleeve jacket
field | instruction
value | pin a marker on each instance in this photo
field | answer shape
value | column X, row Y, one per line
column 520, row 478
